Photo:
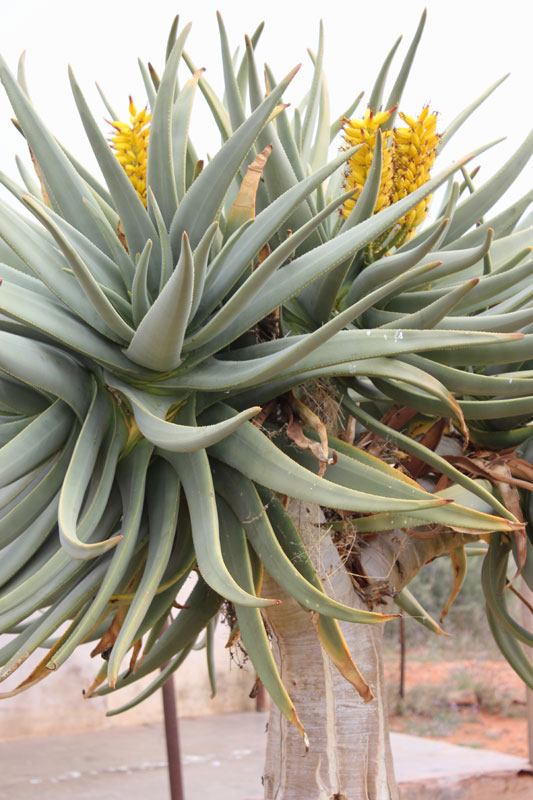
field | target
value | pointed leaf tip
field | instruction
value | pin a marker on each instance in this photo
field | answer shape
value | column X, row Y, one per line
column 293, row 72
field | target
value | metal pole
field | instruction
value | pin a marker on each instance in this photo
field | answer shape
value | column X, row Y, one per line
column 527, row 619
column 170, row 711
column 172, row 737
column 261, row 698
column 401, row 622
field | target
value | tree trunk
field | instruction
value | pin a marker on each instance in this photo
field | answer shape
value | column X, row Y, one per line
column 350, row 754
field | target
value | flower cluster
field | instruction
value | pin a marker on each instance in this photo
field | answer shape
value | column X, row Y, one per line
column 364, row 132
column 408, row 156
column 131, row 145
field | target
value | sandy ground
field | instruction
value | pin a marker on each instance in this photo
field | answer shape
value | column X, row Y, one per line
column 471, row 725
column 480, row 730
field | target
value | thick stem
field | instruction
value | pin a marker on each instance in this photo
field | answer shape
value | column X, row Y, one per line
column 349, row 756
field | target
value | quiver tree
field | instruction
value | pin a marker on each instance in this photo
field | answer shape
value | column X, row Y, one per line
column 185, row 347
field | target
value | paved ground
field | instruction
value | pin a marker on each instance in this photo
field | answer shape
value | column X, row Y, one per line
column 130, row 762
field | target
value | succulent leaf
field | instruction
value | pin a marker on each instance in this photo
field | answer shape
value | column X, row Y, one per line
column 147, row 318
column 160, row 167
column 158, row 340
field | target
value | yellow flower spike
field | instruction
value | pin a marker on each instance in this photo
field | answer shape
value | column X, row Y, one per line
column 363, row 132
column 413, row 159
column 130, row 143
column 408, row 156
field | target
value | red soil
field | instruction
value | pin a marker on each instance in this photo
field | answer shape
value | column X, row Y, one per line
column 493, row 681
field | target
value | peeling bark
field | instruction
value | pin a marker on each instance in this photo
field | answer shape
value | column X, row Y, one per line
column 350, row 755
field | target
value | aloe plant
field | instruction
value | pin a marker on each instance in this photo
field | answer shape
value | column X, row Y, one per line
column 183, row 345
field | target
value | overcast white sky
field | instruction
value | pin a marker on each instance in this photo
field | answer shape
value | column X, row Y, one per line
column 466, row 46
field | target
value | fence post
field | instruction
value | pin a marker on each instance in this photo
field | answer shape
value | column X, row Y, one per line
column 172, row 738
column 401, row 628
column 527, row 619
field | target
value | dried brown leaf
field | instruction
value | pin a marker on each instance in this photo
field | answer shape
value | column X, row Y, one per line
column 431, row 439
column 122, row 236
column 110, row 636
column 46, row 198
column 320, row 449
column 459, row 564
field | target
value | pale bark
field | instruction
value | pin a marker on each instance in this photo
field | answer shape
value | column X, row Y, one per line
column 350, row 755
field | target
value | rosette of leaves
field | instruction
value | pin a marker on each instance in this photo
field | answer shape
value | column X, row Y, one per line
column 138, row 345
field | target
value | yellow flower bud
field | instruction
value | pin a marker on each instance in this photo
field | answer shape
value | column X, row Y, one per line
column 131, row 146
column 408, row 156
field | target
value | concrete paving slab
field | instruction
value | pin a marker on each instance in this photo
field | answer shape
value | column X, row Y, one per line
column 419, row 759
column 223, row 758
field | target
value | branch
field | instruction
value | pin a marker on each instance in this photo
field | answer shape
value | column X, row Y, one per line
column 398, row 557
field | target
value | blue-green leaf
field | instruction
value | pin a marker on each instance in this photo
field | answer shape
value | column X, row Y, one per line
column 158, row 340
